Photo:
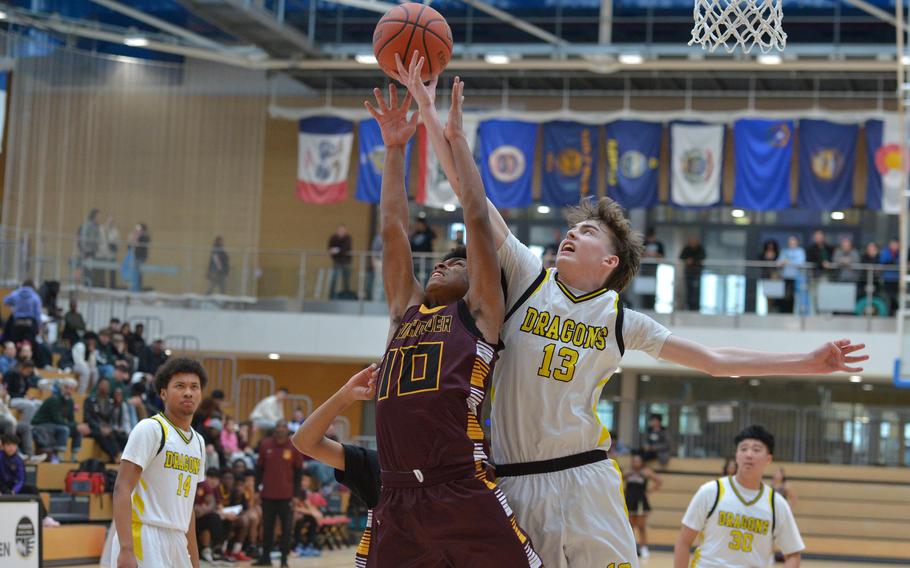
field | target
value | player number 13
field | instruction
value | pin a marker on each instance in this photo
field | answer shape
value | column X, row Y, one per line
column 565, row 367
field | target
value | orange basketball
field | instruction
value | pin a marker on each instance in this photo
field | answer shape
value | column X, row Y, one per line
column 409, row 27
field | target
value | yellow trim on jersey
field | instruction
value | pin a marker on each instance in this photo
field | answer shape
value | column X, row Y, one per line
column 139, row 504
column 578, row 299
column 177, row 428
column 622, row 490
column 546, row 276
column 605, row 432
column 695, row 558
column 761, row 492
column 720, row 490
column 144, row 485
column 426, row 310
column 164, row 429
column 137, row 540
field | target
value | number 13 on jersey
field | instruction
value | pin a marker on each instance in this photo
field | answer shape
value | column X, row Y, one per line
column 564, row 370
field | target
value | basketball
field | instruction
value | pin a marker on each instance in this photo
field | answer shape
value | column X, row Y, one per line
column 413, row 27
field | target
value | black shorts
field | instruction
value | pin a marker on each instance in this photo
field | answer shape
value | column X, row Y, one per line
column 638, row 505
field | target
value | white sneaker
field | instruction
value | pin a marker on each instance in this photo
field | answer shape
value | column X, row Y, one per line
column 643, row 552
column 206, row 555
column 37, row 458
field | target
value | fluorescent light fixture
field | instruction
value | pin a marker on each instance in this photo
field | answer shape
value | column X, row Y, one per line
column 645, row 378
column 734, row 376
column 905, row 59
column 867, row 387
column 543, row 209
column 837, row 215
column 754, row 382
column 2, row 15
column 856, row 379
column 497, row 58
column 365, row 58
column 738, row 213
column 449, row 207
column 631, row 58
column 274, row 356
column 769, row 59
column 136, row 41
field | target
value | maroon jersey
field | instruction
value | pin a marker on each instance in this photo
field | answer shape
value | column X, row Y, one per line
column 432, row 385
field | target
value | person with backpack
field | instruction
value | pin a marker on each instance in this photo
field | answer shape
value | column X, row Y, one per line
column 741, row 518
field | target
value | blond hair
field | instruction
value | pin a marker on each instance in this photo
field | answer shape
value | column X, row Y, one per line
column 627, row 243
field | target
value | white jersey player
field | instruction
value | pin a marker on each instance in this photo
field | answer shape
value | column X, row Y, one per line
column 547, row 442
column 739, row 517
column 162, row 463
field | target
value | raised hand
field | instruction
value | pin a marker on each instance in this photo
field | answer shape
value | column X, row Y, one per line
column 836, row 356
column 393, row 120
column 424, row 94
column 362, row 386
column 454, row 127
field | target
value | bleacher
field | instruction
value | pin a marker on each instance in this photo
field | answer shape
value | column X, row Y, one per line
column 843, row 512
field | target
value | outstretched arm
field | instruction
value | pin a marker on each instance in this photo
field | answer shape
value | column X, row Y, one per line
column 401, row 288
column 425, row 95
column 485, row 293
column 831, row 357
column 310, row 438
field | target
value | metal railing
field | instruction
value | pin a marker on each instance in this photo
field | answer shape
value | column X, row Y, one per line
column 249, row 390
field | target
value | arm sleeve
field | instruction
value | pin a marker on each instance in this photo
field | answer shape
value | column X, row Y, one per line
column 786, row 533
column 360, row 474
column 520, row 265
column 697, row 512
column 20, row 477
column 143, row 443
column 642, row 333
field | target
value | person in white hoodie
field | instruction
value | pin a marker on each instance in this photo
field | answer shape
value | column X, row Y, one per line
column 84, row 364
column 269, row 410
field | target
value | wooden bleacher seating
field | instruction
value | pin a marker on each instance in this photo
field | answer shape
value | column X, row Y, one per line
column 73, row 544
column 841, row 510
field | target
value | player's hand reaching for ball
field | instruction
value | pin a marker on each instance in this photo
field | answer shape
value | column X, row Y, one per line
column 454, row 127
column 393, row 120
column 362, row 386
column 836, row 356
column 424, row 94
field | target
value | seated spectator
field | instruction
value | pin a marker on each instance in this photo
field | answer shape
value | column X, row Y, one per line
column 120, row 352
column 306, row 518
column 235, row 531
column 104, row 354
column 152, row 356
column 297, row 420
column 211, row 433
column 120, row 380
column 99, row 415
column 123, row 417
column 44, row 359
column 230, row 445
column 10, row 426
column 26, row 317
column 8, row 358
column 657, row 445
column 18, row 381
column 844, row 259
column 56, row 420
column 85, row 364
column 209, row 521
column 12, row 468
column 209, row 408
column 73, row 324
column 269, row 411
column 137, row 401
column 134, row 341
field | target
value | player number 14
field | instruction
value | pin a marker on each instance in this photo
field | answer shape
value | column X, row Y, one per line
column 183, row 485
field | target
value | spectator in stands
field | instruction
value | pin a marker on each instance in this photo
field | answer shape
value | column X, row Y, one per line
column 104, row 354
column 340, row 252
column 243, row 442
column 791, row 260
column 219, row 267
column 891, row 255
column 43, row 358
column 138, row 399
column 10, row 425
column 209, row 517
column 88, row 239
column 99, row 415
column 18, row 381
column 306, row 518
column 654, row 250
column 254, row 510
column 121, row 379
column 85, row 363
column 26, row 317
column 458, row 241
column 819, row 253
column 870, row 256
column 12, row 468
column 136, row 256
column 636, row 493
column 779, row 483
column 269, row 411
column 107, row 248
column 236, row 530
column 8, row 359
column 135, row 341
column 73, row 323
column 152, row 356
column 123, row 416
column 422, row 238
column 657, row 442
column 844, row 258
column 119, row 351
column 56, row 418
column 374, row 288
column 208, row 409
column 230, row 444
column 279, row 467
column 693, row 255
column 114, row 324
column 211, row 433
column 297, row 420
column 729, row 468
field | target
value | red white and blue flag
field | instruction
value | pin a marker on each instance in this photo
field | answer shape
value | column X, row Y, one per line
column 324, row 158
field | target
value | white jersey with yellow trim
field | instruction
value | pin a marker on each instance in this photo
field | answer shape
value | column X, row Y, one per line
column 739, row 527
column 166, row 490
column 561, row 348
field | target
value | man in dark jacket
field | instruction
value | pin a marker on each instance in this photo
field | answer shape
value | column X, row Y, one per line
column 99, row 415
column 56, row 418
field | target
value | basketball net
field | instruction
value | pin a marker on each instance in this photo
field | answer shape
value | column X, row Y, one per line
column 739, row 22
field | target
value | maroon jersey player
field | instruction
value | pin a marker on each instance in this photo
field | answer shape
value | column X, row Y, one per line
column 437, row 507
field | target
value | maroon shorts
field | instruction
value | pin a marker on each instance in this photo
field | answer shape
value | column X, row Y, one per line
column 438, row 523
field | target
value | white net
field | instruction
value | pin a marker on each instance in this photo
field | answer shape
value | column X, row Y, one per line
column 746, row 23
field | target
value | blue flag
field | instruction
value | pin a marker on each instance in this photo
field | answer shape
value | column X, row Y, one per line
column 764, row 152
column 827, row 157
column 371, row 152
column 506, row 154
column 633, row 153
column 570, row 151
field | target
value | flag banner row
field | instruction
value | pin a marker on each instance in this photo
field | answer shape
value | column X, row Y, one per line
column 570, row 159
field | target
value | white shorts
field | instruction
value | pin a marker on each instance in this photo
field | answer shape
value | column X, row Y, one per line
column 576, row 517
column 155, row 547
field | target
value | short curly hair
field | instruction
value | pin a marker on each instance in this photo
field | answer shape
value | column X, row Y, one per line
column 177, row 366
column 627, row 243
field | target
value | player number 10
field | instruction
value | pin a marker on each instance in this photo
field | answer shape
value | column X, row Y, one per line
column 565, row 370
column 183, row 485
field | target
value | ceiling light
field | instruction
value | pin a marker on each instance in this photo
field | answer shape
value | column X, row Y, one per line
column 365, row 58
column 837, row 215
column 769, row 59
column 3, row 15
column 734, row 376
column 449, row 207
column 645, row 378
column 905, row 59
column 867, row 387
column 754, row 382
column 631, row 58
column 856, row 379
column 543, row 209
column 738, row 213
column 136, row 41
column 274, row 356
column 496, row 58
